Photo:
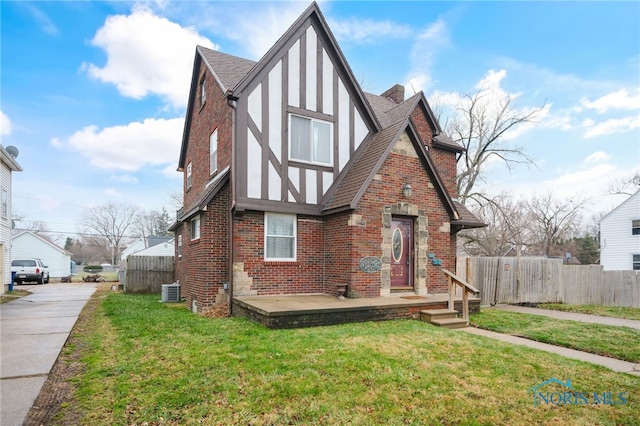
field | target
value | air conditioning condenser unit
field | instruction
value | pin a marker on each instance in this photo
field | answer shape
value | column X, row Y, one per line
column 170, row 292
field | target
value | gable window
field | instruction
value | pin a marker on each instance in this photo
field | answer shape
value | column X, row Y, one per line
column 195, row 228
column 636, row 262
column 635, row 227
column 203, row 91
column 189, row 175
column 310, row 140
column 5, row 203
column 280, row 236
column 213, row 152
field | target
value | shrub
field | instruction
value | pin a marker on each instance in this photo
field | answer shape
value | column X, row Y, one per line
column 92, row 269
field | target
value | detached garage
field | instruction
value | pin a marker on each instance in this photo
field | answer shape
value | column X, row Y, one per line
column 26, row 245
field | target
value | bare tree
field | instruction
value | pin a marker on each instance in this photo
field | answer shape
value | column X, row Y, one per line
column 626, row 186
column 479, row 123
column 553, row 221
column 153, row 222
column 506, row 233
column 110, row 221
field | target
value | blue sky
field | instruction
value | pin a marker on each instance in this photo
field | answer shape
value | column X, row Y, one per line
column 93, row 93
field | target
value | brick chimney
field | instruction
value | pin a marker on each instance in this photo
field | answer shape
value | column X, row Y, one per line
column 396, row 93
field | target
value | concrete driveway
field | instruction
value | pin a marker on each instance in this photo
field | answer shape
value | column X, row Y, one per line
column 33, row 330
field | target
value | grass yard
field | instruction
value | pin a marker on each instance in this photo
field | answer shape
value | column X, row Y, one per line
column 616, row 342
column 605, row 311
column 13, row 295
column 144, row 362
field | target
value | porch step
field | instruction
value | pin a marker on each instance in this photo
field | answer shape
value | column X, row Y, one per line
column 447, row 318
column 450, row 323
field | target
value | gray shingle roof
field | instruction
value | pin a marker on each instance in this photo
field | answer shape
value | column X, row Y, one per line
column 228, row 69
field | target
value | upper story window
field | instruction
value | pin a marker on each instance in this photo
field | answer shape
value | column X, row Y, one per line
column 195, row 228
column 203, row 91
column 280, row 236
column 213, row 152
column 5, row 203
column 635, row 227
column 179, row 241
column 310, row 140
column 636, row 262
column 189, row 175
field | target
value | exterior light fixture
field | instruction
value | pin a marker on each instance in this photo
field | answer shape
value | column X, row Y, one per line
column 406, row 190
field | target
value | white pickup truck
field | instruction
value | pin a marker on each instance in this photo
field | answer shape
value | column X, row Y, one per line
column 29, row 270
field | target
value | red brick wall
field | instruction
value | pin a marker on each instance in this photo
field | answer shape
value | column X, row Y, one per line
column 204, row 265
column 305, row 275
column 444, row 161
column 387, row 191
column 214, row 114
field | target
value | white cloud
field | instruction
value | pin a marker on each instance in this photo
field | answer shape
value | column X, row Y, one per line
column 621, row 99
column 171, row 171
column 597, row 157
column 112, row 192
column 42, row 18
column 367, row 30
column 126, row 178
column 5, row 124
column 147, row 54
column 151, row 142
column 611, row 126
column 426, row 45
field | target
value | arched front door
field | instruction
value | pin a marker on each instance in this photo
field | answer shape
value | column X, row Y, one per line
column 401, row 253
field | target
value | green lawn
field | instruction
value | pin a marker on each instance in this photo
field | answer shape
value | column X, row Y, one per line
column 145, row 362
column 616, row 342
column 605, row 311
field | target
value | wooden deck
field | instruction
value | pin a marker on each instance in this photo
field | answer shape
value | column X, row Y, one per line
column 299, row 311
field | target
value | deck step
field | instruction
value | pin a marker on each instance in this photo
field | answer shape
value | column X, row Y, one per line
column 447, row 318
column 429, row 315
column 450, row 323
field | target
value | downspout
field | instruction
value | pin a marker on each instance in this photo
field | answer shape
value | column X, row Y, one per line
column 232, row 102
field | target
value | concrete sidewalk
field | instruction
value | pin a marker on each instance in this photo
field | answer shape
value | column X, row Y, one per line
column 571, row 316
column 33, row 330
column 611, row 363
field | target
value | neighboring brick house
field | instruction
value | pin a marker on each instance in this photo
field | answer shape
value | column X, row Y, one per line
column 293, row 176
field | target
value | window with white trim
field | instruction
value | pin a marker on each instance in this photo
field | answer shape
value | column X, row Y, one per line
column 213, row 152
column 188, row 175
column 179, row 240
column 310, row 140
column 635, row 227
column 195, row 228
column 279, row 236
column 636, row 262
column 203, row 92
column 5, row 203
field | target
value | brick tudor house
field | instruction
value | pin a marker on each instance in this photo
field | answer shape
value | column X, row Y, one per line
column 294, row 179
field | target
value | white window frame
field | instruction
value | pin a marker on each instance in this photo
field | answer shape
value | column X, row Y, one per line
column 5, row 203
column 194, row 228
column 213, row 152
column 312, row 120
column 294, row 237
column 179, row 241
column 189, row 174
column 203, row 91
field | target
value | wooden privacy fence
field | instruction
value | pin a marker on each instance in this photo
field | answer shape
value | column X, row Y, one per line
column 146, row 274
column 542, row 280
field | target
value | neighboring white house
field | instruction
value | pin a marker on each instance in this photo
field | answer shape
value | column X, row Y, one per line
column 620, row 236
column 26, row 244
column 145, row 244
column 8, row 165
column 166, row 248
